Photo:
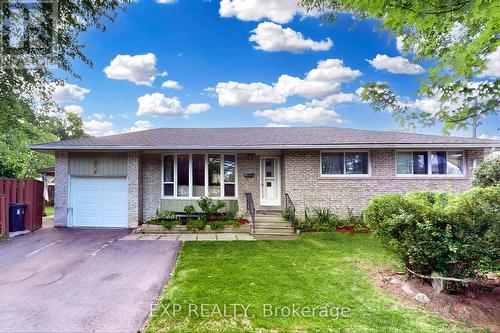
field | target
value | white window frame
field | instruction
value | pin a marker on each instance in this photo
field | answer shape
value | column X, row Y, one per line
column 369, row 174
column 429, row 163
column 191, row 197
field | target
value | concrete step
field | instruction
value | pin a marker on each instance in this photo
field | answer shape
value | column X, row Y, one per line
column 274, row 218
column 273, row 225
column 268, row 211
column 274, row 231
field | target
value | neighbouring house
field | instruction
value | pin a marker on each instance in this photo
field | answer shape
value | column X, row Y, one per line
column 121, row 180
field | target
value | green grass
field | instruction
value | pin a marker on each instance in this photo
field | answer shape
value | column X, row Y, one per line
column 49, row 210
column 318, row 270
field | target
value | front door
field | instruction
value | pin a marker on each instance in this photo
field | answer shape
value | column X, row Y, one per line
column 270, row 181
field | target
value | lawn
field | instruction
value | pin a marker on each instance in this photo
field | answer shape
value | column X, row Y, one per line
column 325, row 273
column 49, row 210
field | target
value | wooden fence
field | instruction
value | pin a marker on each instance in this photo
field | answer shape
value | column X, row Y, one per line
column 27, row 191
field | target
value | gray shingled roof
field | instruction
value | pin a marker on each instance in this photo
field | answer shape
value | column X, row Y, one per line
column 261, row 137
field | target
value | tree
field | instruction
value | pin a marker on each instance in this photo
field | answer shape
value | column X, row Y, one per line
column 459, row 37
column 69, row 126
column 488, row 173
column 26, row 70
column 19, row 128
column 28, row 73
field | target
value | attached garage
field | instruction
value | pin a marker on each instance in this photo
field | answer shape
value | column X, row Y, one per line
column 98, row 202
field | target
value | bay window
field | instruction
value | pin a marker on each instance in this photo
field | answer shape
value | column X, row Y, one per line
column 168, row 175
column 430, row 163
column 344, row 163
column 198, row 175
column 214, row 175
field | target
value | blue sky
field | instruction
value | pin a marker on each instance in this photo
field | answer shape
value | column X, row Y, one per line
column 204, row 47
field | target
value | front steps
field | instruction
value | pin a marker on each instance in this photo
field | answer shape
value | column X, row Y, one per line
column 270, row 224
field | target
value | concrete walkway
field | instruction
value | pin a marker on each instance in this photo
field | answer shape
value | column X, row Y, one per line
column 190, row 237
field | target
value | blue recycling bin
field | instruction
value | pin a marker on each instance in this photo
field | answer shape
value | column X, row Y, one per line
column 16, row 217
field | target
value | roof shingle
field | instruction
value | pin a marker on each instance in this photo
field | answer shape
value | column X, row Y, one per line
column 260, row 137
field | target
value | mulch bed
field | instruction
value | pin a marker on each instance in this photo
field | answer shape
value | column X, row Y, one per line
column 478, row 305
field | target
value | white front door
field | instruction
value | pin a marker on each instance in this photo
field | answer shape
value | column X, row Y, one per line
column 98, row 202
column 270, row 191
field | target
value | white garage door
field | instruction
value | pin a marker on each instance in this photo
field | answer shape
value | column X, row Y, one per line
column 98, row 202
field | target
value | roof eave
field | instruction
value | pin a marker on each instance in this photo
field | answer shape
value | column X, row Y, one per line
column 50, row 148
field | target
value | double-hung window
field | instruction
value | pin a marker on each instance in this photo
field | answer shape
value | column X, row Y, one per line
column 344, row 163
column 198, row 175
column 429, row 163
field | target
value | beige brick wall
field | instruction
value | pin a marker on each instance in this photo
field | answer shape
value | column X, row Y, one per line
column 61, row 190
column 151, row 184
column 307, row 189
column 134, row 188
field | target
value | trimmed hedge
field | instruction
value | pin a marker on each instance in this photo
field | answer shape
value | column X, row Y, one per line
column 454, row 235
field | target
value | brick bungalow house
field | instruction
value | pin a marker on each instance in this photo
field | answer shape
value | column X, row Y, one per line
column 121, row 180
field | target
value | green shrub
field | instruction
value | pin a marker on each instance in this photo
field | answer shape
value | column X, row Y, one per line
column 210, row 208
column 322, row 219
column 194, row 225
column 169, row 224
column 287, row 214
column 165, row 214
column 488, row 173
column 454, row 235
column 189, row 210
column 217, row 225
column 355, row 221
column 229, row 216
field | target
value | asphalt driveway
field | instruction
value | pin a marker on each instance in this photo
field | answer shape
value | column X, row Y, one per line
column 81, row 280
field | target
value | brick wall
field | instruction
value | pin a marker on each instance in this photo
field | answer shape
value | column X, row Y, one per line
column 61, row 190
column 307, row 189
column 134, row 188
column 151, row 168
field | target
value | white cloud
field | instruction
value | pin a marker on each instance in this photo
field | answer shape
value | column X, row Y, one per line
column 98, row 116
column 139, row 125
column 140, row 69
column 273, row 37
column 166, row 2
column 74, row 109
column 277, row 125
column 169, row 84
column 124, row 116
column 280, row 11
column 247, row 95
column 335, row 99
column 98, row 128
column 157, row 104
column 322, row 81
column 492, row 64
column 428, row 105
column 68, row 92
column 396, row 65
column 490, row 137
column 332, row 70
column 400, row 44
column 197, row 108
column 301, row 113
